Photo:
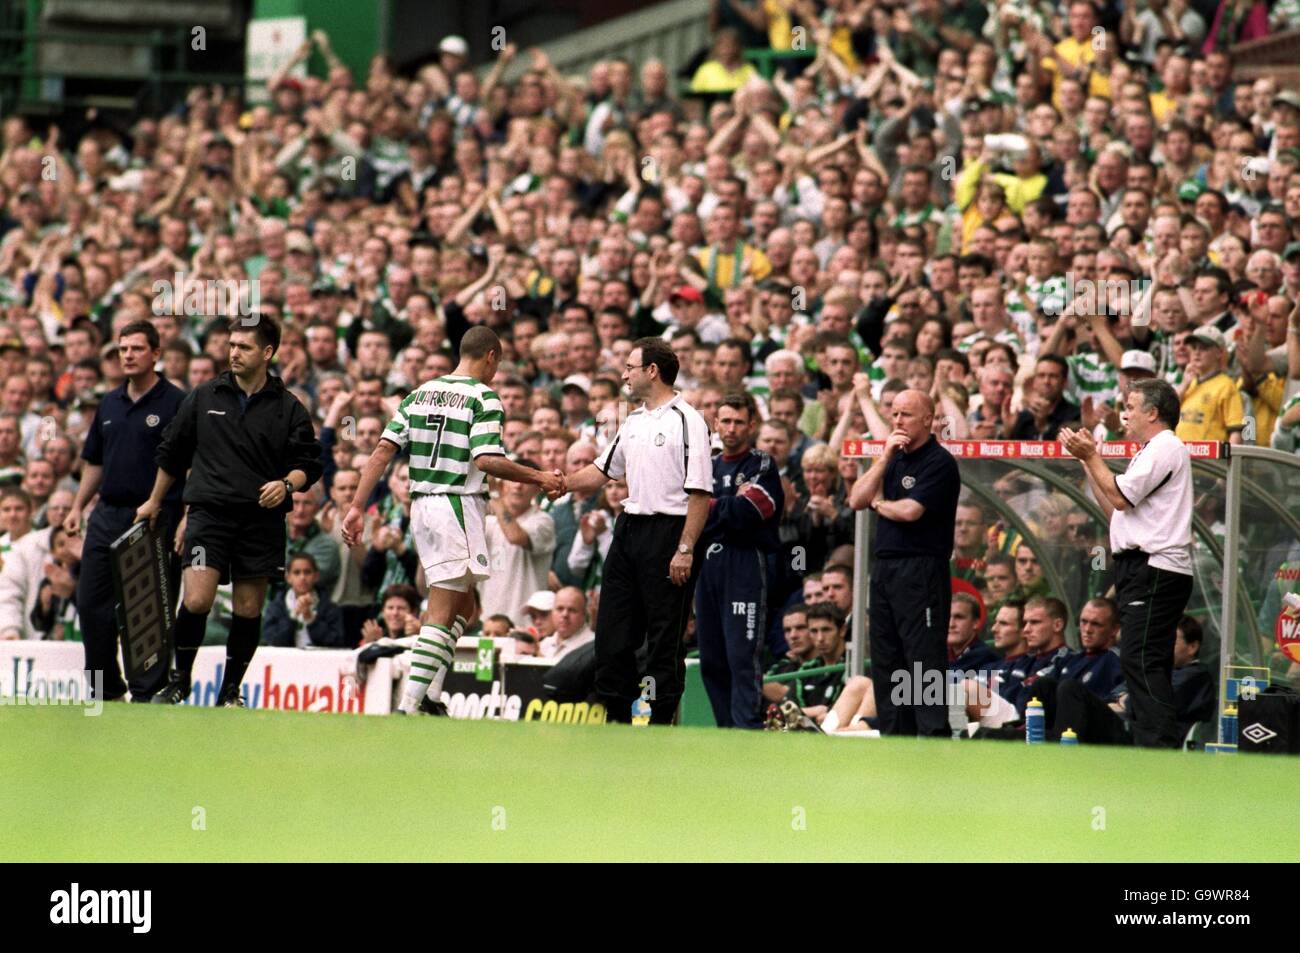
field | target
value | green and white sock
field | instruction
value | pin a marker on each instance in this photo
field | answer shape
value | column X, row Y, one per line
column 430, row 659
column 435, row 686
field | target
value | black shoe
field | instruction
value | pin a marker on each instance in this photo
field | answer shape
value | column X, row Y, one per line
column 174, row 692
column 430, row 707
column 231, row 698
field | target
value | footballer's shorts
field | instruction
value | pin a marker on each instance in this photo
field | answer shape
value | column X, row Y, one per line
column 451, row 539
column 240, row 541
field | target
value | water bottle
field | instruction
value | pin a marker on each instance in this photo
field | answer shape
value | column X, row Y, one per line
column 640, row 712
column 1035, row 723
column 1068, row 737
column 1228, row 725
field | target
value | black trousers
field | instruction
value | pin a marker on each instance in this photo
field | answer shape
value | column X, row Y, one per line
column 639, row 605
column 97, row 602
column 1087, row 716
column 910, row 603
column 1151, row 601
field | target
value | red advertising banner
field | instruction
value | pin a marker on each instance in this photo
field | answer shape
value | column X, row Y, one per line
column 1031, row 449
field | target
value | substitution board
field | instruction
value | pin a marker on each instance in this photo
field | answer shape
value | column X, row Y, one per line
column 144, row 599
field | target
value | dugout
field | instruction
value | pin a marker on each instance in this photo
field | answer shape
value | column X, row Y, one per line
column 1245, row 531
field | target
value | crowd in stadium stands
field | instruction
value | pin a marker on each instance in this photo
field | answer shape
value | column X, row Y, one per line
column 1018, row 209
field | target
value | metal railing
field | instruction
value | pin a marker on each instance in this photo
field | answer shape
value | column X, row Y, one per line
column 159, row 77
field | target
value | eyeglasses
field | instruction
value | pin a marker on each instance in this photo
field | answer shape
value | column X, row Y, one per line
column 633, row 367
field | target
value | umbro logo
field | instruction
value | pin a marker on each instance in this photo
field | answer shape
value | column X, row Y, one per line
column 1256, row 733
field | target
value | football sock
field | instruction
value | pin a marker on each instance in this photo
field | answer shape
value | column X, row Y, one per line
column 245, row 633
column 187, row 634
column 430, row 659
column 831, row 722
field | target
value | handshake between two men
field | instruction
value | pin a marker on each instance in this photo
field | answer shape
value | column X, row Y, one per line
column 553, row 484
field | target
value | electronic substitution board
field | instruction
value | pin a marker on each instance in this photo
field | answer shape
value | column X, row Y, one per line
column 144, row 599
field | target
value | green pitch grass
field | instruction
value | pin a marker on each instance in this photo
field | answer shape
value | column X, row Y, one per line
column 136, row 782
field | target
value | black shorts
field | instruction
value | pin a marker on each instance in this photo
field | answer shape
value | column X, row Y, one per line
column 239, row 541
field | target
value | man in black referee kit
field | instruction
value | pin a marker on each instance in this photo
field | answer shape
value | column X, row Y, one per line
column 119, row 465
column 913, row 487
column 1150, row 510
column 249, row 446
column 649, row 576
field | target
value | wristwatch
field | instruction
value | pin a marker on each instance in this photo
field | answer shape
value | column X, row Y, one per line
column 288, row 486
column 683, row 549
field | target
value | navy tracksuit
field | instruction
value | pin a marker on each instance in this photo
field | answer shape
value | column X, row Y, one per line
column 732, row 593
column 1101, row 672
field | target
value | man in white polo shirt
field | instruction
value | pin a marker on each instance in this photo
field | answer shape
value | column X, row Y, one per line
column 1150, row 511
column 663, row 452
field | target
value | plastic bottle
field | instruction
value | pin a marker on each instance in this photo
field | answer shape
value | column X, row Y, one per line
column 1228, row 725
column 1068, row 737
column 640, row 712
column 1035, row 723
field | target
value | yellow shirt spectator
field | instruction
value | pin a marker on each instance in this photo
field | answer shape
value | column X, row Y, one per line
column 1163, row 107
column 778, row 25
column 1212, row 409
column 714, row 77
column 1075, row 55
column 721, row 268
column 1265, row 407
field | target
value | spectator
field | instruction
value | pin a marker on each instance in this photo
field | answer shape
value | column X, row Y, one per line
column 724, row 71
column 800, row 649
column 1048, row 410
column 569, row 622
column 307, row 535
column 826, row 629
column 55, row 614
column 303, row 615
column 568, row 510
column 520, row 540
column 538, row 611
column 15, row 519
column 399, row 616
column 822, row 516
column 1212, row 407
column 24, row 563
column 525, row 643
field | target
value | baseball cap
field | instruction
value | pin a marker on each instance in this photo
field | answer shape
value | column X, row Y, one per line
column 455, row 45
column 1288, row 97
column 1137, row 361
column 1210, row 335
column 542, row 601
column 687, row 293
column 1291, row 250
column 1190, row 191
column 581, row 381
column 299, row 242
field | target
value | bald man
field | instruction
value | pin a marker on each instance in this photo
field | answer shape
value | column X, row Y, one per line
column 913, row 488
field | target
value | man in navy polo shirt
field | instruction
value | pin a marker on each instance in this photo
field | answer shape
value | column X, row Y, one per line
column 913, row 488
column 119, row 456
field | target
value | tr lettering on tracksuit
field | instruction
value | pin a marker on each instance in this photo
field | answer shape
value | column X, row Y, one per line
column 739, row 541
